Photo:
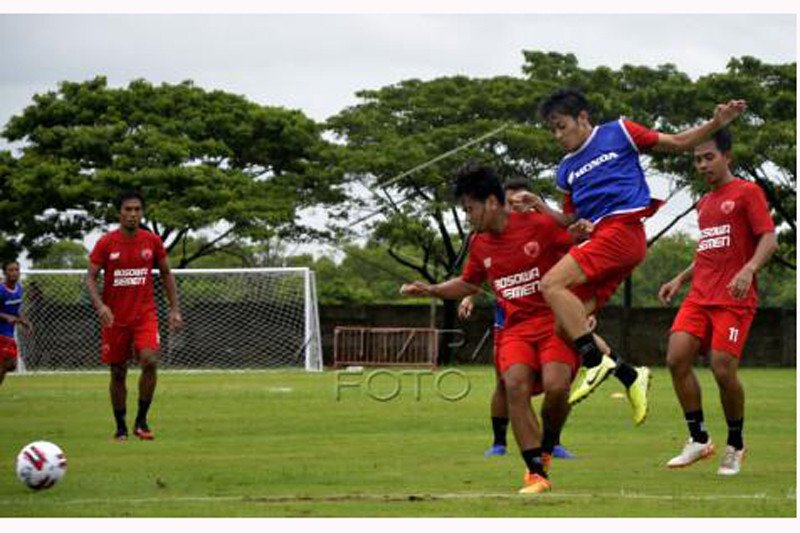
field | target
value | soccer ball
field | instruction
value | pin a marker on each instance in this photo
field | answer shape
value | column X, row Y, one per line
column 41, row 464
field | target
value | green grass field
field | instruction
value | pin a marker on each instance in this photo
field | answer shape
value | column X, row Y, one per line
column 280, row 444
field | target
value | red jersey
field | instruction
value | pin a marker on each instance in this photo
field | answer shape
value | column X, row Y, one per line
column 127, row 264
column 514, row 262
column 731, row 220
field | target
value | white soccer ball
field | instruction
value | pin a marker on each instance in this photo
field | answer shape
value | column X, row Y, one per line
column 41, row 464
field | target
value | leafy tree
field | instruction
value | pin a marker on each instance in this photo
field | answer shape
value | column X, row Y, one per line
column 204, row 160
column 402, row 142
column 365, row 275
column 237, row 254
column 64, row 254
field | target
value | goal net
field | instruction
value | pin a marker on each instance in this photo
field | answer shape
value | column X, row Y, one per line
column 234, row 319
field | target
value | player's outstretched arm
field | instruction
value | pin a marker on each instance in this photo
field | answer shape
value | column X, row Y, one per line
column 103, row 312
column 536, row 202
column 452, row 289
column 740, row 284
column 175, row 318
column 685, row 140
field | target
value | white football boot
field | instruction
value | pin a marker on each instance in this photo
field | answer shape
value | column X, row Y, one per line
column 691, row 453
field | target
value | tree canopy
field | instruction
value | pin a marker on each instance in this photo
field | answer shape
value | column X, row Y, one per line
column 204, row 160
column 432, row 127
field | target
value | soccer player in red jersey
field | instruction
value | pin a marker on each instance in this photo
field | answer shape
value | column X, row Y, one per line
column 604, row 184
column 737, row 238
column 11, row 316
column 512, row 251
column 127, row 310
column 498, row 406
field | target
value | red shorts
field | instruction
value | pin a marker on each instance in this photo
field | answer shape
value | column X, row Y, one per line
column 121, row 343
column 515, row 349
column 8, row 348
column 615, row 248
column 722, row 329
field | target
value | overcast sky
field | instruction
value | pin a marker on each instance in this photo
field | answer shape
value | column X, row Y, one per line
column 317, row 62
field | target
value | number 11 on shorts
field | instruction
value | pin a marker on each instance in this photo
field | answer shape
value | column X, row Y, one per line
column 733, row 334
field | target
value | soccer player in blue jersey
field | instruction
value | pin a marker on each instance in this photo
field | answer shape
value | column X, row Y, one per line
column 606, row 193
column 10, row 317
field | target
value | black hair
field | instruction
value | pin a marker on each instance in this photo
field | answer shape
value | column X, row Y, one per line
column 723, row 139
column 128, row 195
column 565, row 101
column 478, row 182
column 8, row 263
column 516, row 183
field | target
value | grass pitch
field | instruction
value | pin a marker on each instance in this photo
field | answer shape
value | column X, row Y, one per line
column 281, row 444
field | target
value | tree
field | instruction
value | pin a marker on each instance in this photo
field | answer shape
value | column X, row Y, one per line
column 204, row 160
column 402, row 142
column 64, row 254
column 365, row 275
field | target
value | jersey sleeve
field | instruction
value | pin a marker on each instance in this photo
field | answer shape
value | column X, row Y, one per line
column 644, row 138
column 758, row 212
column 568, row 207
column 159, row 252
column 474, row 272
column 99, row 252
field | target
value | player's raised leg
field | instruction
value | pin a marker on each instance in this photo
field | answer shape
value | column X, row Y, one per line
column 571, row 312
column 571, row 316
column 681, row 352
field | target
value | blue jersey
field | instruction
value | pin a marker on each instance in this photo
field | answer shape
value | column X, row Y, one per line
column 604, row 176
column 499, row 316
column 10, row 302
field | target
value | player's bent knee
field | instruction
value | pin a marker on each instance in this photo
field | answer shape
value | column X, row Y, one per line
column 678, row 363
column 118, row 372
column 517, row 388
column 149, row 364
column 148, row 360
column 550, row 285
column 724, row 367
column 681, row 352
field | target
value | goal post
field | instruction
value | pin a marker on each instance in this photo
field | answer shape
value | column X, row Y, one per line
column 234, row 319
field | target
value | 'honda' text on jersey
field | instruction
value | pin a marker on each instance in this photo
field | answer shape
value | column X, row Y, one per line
column 604, row 176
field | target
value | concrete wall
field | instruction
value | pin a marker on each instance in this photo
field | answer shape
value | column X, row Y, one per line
column 771, row 342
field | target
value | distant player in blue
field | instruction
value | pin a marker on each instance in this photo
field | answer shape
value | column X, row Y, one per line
column 10, row 317
column 606, row 193
column 498, row 405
